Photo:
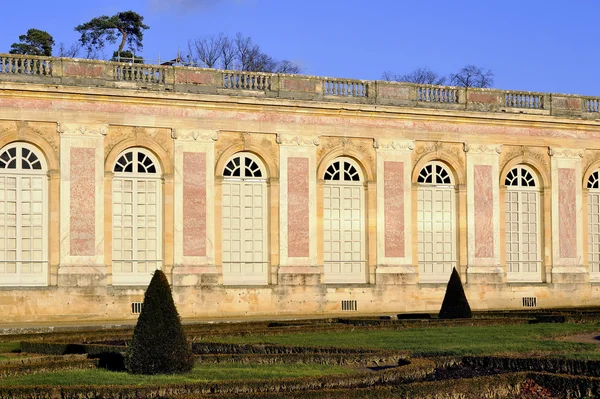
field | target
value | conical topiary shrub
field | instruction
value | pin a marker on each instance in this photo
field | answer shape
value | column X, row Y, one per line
column 159, row 345
column 455, row 305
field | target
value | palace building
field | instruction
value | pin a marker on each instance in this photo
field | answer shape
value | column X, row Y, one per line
column 269, row 194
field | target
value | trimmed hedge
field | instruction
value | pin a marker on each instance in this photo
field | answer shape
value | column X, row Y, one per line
column 491, row 387
column 58, row 348
column 415, row 371
column 364, row 359
column 455, row 304
column 589, row 368
column 200, row 348
column 159, row 344
column 45, row 364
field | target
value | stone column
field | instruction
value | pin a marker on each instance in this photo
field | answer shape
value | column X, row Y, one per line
column 298, row 210
column 82, row 205
column 483, row 214
column 394, row 213
column 567, row 228
column 194, row 218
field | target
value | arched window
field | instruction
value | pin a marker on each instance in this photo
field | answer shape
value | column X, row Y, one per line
column 522, row 225
column 436, row 216
column 593, row 187
column 136, row 215
column 23, row 216
column 344, row 223
column 245, row 250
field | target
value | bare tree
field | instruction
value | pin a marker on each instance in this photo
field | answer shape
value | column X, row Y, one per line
column 70, row 52
column 286, row 66
column 227, row 54
column 207, row 50
column 239, row 52
column 422, row 75
column 472, row 76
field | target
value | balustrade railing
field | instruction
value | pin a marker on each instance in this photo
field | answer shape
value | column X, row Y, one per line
column 247, row 81
column 23, row 65
column 523, row 100
column 348, row 88
column 139, row 73
column 437, row 94
column 592, row 105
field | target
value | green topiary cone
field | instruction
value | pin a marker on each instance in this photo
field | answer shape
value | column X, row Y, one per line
column 159, row 345
column 455, row 305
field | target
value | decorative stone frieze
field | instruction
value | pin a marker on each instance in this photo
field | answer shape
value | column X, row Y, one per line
column 286, row 139
column 565, row 152
column 76, row 129
column 397, row 145
column 194, row 134
column 483, row 149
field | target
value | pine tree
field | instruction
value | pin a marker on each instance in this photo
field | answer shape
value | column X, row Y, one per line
column 455, row 304
column 159, row 345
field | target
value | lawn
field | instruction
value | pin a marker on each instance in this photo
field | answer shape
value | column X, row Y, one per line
column 462, row 340
column 200, row 373
column 7, row 347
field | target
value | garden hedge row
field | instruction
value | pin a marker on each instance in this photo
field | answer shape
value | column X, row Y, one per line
column 491, row 387
column 200, row 348
column 589, row 368
column 45, row 364
column 415, row 371
column 374, row 360
column 61, row 348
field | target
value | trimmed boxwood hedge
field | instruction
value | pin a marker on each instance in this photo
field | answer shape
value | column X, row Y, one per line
column 589, row 368
column 45, row 364
column 415, row 371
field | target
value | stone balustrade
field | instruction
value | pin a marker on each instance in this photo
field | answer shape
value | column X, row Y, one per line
column 524, row 100
column 592, row 105
column 345, row 88
column 83, row 72
column 247, row 81
column 437, row 94
column 139, row 73
column 18, row 65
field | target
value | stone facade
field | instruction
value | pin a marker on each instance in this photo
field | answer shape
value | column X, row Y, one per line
column 348, row 191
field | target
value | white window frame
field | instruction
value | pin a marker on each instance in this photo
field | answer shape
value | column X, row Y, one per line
column 520, row 190
column 18, row 278
column 593, row 198
column 244, row 180
column 330, row 277
column 436, row 185
column 135, row 277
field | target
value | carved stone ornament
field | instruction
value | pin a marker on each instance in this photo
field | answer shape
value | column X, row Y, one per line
column 285, row 139
column 76, row 129
column 565, row 152
column 398, row 145
column 194, row 134
column 483, row 149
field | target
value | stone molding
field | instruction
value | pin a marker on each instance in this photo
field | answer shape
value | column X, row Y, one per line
column 76, row 129
column 482, row 149
column 288, row 139
column 565, row 152
column 194, row 134
column 397, row 145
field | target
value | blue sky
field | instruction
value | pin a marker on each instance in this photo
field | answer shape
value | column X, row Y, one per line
column 550, row 46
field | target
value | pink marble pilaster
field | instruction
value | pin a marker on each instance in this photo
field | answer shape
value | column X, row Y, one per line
column 194, row 204
column 82, row 223
column 484, row 211
column 298, row 208
column 393, row 205
column 567, row 226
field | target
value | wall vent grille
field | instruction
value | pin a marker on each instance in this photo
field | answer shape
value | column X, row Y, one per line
column 136, row 307
column 349, row 306
column 529, row 302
